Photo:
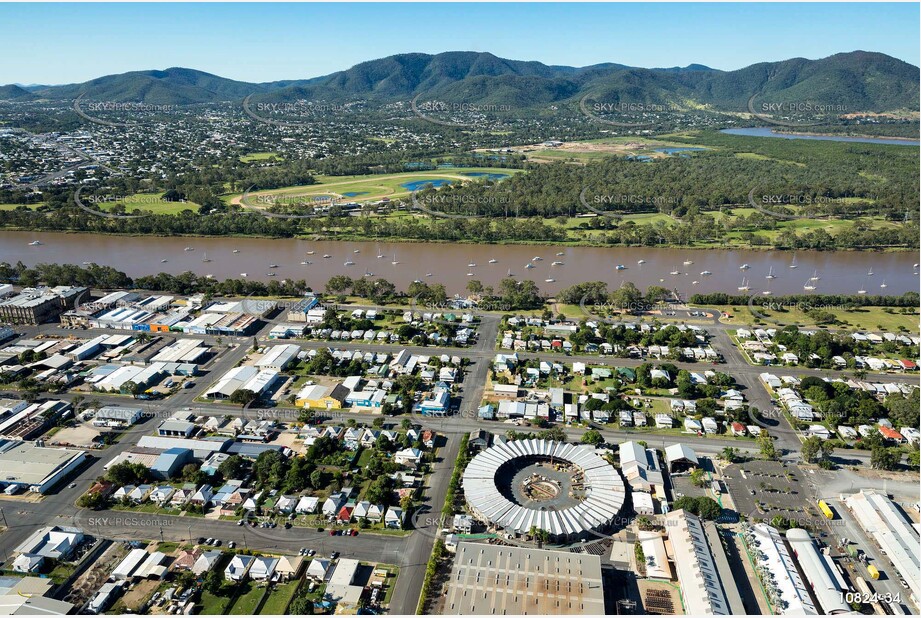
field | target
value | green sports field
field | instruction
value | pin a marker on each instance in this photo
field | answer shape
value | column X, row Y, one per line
column 368, row 188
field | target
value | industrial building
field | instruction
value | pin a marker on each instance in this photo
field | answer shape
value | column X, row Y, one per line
column 298, row 311
column 117, row 416
column 786, row 589
column 245, row 378
column 38, row 305
column 604, row 489
column 494, row 579
column 278, row 357
column 888, row 528
column 827, row 584
column 30, row 596
column 707, row 583
column 37, row 467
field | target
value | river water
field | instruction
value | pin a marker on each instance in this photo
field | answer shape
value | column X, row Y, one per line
column 770, row 132
column 839, row 272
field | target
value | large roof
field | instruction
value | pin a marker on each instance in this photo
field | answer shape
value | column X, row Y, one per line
column 604, row 489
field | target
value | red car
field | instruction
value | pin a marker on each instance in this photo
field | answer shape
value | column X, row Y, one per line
column 332, row 533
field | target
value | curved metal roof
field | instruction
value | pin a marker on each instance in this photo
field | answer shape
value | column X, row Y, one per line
column 604, row 488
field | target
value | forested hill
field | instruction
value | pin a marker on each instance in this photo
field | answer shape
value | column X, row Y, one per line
column 858, row 81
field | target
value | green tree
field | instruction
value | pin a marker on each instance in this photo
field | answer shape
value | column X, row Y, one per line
column 592, row 437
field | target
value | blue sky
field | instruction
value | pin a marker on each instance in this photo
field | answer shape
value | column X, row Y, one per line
column 63, row 43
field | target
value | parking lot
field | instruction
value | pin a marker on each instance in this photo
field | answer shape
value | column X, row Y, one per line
column 765, row 489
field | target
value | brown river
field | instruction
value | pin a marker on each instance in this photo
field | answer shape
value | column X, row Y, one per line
column 838, row 272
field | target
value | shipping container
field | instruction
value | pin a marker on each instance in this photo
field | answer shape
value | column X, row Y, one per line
column 873, row 571
column 826, row 511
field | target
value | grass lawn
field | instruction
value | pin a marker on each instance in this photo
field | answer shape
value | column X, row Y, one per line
column 212, row 605
column 152, row 202
column 279, row 599
column 15, row 206
column 258, row 156
column 248, row 599
column 863, row 318
column 369, row 187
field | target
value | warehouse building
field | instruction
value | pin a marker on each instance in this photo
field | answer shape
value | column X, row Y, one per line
column 707, row 583
column 278, row 357
column 489, row 579
column 37, row 467
column 246, row 378
column 779, row 573
column 116, row 416
column 827, row 584
column 886, row 525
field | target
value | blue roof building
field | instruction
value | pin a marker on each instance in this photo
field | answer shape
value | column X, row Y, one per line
column 170, row 462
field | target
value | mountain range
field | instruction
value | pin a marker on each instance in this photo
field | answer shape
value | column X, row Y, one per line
column 859, row 81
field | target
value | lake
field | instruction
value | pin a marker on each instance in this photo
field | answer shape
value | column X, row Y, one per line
column 841, row 272
column 770, row 132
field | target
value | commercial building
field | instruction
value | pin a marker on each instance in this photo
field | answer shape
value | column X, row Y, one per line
column 38, row 305
column 30, row 596
column 494, row 579
column 298, row 311
column 321, row 397
column 37, row 467
column 54, row 542
column 826, row 582
column 888, row 528
column 707, row 584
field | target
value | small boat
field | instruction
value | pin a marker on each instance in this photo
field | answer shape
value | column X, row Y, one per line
column 428, row 274
column 861, row 292
column 35, row 243
column 469, row 274
column 557, row 263
column 550, row 280
column 368, row 273
column 164, row 261
column 744, row 286
column 793, row 263
column 870, row 272
column 395, row 261
column 242, row 274
column 767, row 292
column 273, row 265
column 189, row 249
column 536, row 258
column 381, row 256
column 326, row 256
column 311, row 252
column 270, row 274
column 883, row 284
column 770, row 274
column 529, row 265
column 357, row 251
column 815, row 276
column 236, row 251
column 471, row 265
column 306, row 263
column 417, row 280
column 509, row 273
column 209, row 276
column 641, row 261
column 86, row 263
column 620, row 267
column 493, row 261
column 744, row 267
column 561, row 253
column 661, row 280
column 205, row 258
column 349, row 263
column 688, row 262
column 675, row 272
column 809, row 286
column 705, row 273
column 695, row 282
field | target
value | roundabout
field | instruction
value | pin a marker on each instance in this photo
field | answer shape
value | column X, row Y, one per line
column 565, row 489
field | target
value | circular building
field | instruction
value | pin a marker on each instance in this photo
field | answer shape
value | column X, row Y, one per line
column 562, row 488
